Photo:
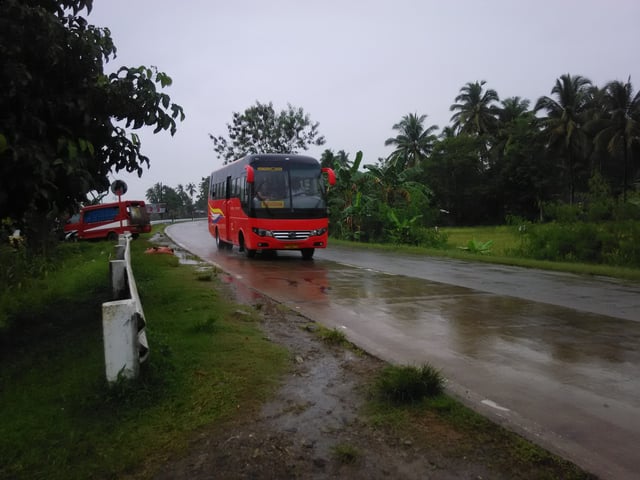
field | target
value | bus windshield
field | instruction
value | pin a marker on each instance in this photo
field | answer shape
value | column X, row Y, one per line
column 279, row 190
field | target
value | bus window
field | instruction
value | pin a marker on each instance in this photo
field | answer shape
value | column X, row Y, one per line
column 271, row 184
column 101, row 214
column 307, row 189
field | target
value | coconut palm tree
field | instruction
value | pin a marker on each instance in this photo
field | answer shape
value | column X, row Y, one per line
column 564, row 125
column 619, row 129
column 414, row 142
column 512, row 108
column 475, row 112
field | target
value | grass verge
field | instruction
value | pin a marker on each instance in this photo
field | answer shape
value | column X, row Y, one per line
column 505, row 241
column 62, row 421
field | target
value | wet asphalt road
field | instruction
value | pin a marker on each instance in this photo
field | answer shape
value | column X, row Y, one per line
column 554, row 356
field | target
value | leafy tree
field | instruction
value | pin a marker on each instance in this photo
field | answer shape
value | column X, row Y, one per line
column 191, row 189
column 457, row 177
column 512, row 109
column 330, row 159
column 414, row 142
column 566, row 117
column 475, row 112
column 260, row 129
column 523, row 177
column 399, row 187
column 176, row 200
column 402, row 198
column 65, row 124
column 154, row 194
column 348, row 201
column 327, row 158
column 514, row 162
column 619, row 129
column 203, row 194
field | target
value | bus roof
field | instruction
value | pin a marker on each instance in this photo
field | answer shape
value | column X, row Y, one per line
column 279, row 157
column 270, row 159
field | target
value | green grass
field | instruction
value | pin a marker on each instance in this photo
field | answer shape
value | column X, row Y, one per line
column 505, row 240
column 345, row 453
column 62, row 421
column 332, row 336
column 402, row 384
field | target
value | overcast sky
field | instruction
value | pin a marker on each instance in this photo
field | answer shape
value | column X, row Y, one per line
column 355, row 66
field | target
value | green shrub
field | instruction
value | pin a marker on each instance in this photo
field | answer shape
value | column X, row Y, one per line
column 345, row 453
column 562, row 212
column 475, row 246
column 432, row 237
column 613, row 243
column 332, row 336
column 408, row 384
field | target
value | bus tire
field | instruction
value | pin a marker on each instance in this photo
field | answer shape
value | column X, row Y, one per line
column 307, row 253
column 219, row 243
column 112, row 236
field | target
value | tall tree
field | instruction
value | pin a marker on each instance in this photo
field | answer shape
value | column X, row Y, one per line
column 176, row 200
column 330, row 159
column 457, row 177
column 65, row 125
column 619, row 129
column 414, row 142
column 260, row 129
column 566, row 117
column 512, row 108
column 191, row 189
column 203, row 194
column 475, row 109
column 327, row 158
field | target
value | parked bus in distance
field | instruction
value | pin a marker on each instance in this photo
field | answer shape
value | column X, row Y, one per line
column 270, row 202
column 109, row 220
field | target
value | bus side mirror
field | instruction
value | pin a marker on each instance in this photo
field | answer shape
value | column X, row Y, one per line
column 330, row 174
column 250, row 174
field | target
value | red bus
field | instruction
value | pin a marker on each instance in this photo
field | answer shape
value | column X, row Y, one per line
column 270, row 202
column 109, row 220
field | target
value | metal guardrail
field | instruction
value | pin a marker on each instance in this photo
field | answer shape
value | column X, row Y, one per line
column 123, row 321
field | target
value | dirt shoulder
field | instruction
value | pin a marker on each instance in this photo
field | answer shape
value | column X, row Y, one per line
column 316, row 426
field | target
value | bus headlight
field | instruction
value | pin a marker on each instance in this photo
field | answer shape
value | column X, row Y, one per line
column 320, row 231
column 261, row 232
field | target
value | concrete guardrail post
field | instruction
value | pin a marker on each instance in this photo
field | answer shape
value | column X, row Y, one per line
column 123, row 322
column 120, row 330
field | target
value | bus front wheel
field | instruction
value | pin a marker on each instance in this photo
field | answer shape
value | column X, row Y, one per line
column 307, row 253
column 249, row 252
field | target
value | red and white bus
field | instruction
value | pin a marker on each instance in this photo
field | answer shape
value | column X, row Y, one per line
column 270, row 202
column 109, row 220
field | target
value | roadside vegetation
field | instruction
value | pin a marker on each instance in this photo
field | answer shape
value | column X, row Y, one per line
column 506, row 246
column 209, row 361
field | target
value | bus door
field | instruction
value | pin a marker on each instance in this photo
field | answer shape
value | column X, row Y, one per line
column 227, row 210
